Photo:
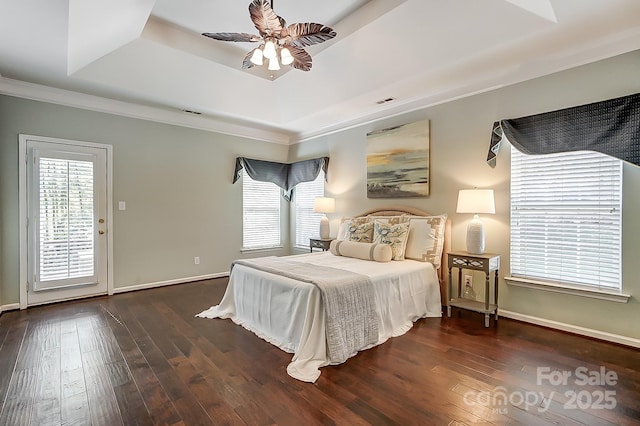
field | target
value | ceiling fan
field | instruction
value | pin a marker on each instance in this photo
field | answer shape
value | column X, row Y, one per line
column 279, row 43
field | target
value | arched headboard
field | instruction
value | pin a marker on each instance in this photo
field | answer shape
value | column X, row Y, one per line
column 443, row 271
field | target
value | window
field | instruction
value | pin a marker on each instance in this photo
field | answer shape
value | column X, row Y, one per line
column 566, row 219
column 260, row 214
column 66, row 219
column 307, row 222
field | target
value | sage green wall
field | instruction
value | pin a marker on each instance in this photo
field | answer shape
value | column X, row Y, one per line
column 460, row 132
column 181, row 203
column 176, row 183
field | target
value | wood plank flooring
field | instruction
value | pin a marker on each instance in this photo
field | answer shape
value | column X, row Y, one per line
column 141, row 358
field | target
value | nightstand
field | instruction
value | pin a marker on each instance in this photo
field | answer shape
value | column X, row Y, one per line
column 487, row 263
column 321, row 243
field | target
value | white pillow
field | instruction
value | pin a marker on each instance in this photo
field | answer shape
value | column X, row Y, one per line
column 365, row 251
column 393, row 235
column 342, row 230
column 426, row 238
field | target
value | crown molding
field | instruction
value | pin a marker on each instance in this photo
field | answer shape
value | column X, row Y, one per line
column 38, row 92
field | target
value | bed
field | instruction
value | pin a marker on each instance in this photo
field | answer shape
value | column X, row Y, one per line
column 291, row 301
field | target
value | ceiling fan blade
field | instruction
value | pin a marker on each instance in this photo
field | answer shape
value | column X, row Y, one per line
column 264, row 18
column 233, row 37
column 307, row 34
column 301, row 58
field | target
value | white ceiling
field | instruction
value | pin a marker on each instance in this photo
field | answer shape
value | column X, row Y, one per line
column 149, row 58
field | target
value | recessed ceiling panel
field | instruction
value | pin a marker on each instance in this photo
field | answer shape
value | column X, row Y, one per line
column 233, row 15
column 417, row 51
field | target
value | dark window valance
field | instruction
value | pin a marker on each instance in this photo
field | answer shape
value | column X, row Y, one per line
column 284, row 175
column 611, row 127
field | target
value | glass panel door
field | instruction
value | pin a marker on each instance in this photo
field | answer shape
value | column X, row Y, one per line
column 67, row 211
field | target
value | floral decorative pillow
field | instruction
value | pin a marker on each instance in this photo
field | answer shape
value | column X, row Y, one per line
column 362, row 233
column 393, row 235
column 347, row 222
column 391, row 220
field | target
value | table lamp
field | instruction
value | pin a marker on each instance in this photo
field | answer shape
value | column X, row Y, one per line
column 324, row 205
column 476, row 201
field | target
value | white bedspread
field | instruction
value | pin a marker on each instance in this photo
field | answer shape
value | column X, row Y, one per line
column 289, row 313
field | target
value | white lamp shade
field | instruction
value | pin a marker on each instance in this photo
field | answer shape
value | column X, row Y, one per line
column 324, row 205
column 285, row 56
column 269, row 50
column 273, row 64
column 476, row 201
column 256, row 58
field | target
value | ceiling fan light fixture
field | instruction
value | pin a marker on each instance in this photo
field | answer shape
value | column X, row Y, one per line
column 276, row 34
column 257, row 56
column 269, row 50
column 285, row 56
column 273, row 64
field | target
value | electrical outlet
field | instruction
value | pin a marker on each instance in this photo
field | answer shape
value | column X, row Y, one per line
column 468, row 280
column 196, row 260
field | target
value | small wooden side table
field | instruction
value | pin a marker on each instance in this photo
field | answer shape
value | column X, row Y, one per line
column 321, row 243
column 487, row 262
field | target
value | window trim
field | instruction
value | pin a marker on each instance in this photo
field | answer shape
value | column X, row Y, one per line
column 261, row 249
column 564, row 288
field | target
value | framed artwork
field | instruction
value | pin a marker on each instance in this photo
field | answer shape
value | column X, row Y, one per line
column 398, row 161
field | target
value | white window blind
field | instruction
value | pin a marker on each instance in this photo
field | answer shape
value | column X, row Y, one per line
column 307, row 222
column 66, row 219
column 260, row 214
column 566, row 218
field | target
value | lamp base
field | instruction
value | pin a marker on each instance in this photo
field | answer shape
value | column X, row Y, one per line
column 325, row 228
column 475, row 236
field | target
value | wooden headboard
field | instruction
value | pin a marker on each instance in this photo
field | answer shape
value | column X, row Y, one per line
column 443, row 271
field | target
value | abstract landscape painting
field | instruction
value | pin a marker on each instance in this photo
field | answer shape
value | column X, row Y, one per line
column 398, row 161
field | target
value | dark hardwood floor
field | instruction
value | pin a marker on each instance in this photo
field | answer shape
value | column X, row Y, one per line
column 142, row 358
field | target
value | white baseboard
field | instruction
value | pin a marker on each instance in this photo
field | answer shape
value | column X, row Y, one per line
column 10, row 307
column 602, row 335
column 169, row 282
column 16, row 306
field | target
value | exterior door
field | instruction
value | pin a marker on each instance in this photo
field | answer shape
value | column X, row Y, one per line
column 67, row 245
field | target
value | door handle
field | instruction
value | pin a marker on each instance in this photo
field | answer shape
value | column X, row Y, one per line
column 101, row 232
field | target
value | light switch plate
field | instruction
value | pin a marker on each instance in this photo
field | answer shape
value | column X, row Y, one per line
column 122, row 205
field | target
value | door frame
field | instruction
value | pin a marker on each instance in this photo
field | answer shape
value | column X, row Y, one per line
column 24, row 213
